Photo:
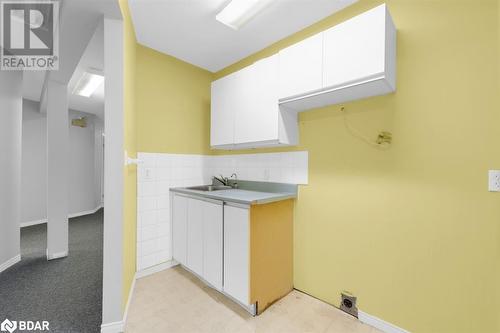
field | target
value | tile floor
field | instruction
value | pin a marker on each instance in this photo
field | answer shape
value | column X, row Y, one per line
column 176, row 301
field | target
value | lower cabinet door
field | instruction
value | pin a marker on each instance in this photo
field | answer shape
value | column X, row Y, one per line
column 195, row 236
column 236, row 253
column 179, row 228
column 212, row 243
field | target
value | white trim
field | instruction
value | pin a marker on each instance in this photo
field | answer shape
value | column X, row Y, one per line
column 87, row 212
column 30, row 223
column 129, row 300
column 155, row 269
column 112, row 275
column 379, row 323
column 138, row 275
column 116, row 327
column 42, row 221
column 10, row 262
column 57, row 255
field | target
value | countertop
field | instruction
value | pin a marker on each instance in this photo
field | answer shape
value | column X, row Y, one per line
column 246, row 193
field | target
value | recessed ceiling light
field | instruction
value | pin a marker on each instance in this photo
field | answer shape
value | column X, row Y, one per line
column 88, row 84
column 239, row 12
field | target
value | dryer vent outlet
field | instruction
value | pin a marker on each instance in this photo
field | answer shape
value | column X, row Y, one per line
column 348, row 304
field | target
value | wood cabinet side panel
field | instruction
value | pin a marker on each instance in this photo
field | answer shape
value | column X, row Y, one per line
column 271, row 247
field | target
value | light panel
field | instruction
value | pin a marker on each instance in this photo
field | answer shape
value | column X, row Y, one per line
column 239, row 12
column 88, row 84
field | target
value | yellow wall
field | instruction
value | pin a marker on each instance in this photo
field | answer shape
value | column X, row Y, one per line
column 411, row 231
column 167, row 109
column 130, row 145
column 173, row 104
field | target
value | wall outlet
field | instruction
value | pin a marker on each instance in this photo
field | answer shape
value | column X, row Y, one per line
column 494, row 180
column 348, row 303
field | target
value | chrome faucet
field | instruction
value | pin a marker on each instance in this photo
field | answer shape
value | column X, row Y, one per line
column 235, row 183
column 225, row 180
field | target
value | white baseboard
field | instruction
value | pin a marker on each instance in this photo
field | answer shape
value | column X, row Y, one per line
column 10, row 262
column 138, row 275
column 155, row 269
column 119, row 326
column 57, row 255
column 42, row 221
column 379, row 323
column 116, row 327
column 129, row 300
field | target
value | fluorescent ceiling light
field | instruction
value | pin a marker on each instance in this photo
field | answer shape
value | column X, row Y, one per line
column 88, row 84
column 239, row 12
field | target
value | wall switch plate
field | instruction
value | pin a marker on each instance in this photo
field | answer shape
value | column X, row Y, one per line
column 148, row 174
column 494, row 180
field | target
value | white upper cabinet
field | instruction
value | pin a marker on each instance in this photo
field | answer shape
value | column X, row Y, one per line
column 245, row 109
column 256, row 118
column 358, row 61
column 226, row 94
column 257, row 106
column 360, row 49
column 301, row 67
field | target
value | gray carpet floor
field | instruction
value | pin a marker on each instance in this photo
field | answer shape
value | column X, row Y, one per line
column 67, row 292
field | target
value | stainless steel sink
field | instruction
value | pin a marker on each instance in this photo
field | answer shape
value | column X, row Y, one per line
column 209, row 188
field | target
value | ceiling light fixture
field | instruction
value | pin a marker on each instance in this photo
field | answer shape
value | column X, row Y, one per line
column 239, row 12
column 88, row 84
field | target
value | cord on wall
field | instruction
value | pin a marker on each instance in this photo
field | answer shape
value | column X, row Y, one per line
column 383, row 140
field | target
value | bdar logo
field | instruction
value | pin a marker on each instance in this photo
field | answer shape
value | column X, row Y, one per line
column 8, row 326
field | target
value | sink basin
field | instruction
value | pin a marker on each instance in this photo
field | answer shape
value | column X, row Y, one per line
column 209, row 188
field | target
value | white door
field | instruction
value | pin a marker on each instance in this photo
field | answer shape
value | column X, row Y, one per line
column 301, row 67
column 195, row 236
column 179, row 228
column 355, row 49
column 237, row 253
column 224, row 101
column 212, row 243
column 256, row 118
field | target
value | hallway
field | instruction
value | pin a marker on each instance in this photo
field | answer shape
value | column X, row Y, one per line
column 66, row 292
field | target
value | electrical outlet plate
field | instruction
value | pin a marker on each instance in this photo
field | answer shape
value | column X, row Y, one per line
column 494, row 181
column 348, row 303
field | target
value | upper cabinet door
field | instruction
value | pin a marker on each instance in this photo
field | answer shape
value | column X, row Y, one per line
column 356, row 49
column 224, row 103
column 301, row 67
column 256, row 118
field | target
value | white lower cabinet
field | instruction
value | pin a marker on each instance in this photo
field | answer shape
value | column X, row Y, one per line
column 227, row 245
column 237, row 253
column 179, row 228
column 197, row 237
column 212, row 243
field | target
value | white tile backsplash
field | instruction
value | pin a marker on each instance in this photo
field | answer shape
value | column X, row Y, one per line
column 159, row 172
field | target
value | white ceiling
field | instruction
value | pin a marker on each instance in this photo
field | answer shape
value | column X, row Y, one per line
column 187, row 29
column 81, row 43
column 93, row 59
